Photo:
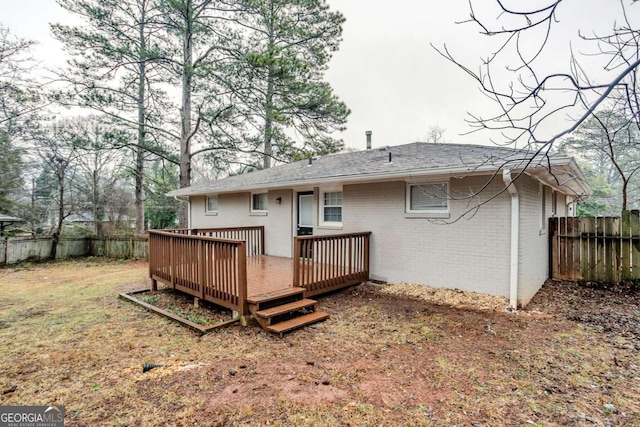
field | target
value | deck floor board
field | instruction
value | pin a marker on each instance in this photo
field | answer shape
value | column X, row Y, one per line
column 267, row 273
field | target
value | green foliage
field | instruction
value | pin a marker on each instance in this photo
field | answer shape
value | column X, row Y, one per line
column 608, row 147
column 116, row 70
column 18, row 98
column 278, row 80
column 161, row 211
column 11, row 166
column 604, row 201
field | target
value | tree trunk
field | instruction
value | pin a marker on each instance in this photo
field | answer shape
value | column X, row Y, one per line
column 268, row 123
column 142, row 118
column 185, row 114
column 58, row 230
column 268, row 105
column 96, row 196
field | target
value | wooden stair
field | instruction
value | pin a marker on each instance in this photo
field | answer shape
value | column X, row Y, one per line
column 284, row 310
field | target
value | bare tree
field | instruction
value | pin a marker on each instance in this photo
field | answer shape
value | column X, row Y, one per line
column 58, row 154
column 435, row 134
column 100, row 167
column 516, row 76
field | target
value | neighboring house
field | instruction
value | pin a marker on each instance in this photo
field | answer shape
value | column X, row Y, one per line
column 84, row 220
column 6, row 221
column 446, row 215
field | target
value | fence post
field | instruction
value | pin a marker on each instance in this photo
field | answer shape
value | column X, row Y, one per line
column 242, row 282
column 201, row 262
column 6, row 250
column 172, row 267
column 262, row 240
column 296, row 261
column 367, row 242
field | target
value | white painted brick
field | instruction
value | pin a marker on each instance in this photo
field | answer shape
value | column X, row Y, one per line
column 470, row 254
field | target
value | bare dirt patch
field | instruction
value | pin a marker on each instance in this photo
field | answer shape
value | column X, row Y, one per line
column 383, row 358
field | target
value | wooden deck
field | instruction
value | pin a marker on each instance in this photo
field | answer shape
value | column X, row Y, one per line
column 227, row 266
column 267, row 274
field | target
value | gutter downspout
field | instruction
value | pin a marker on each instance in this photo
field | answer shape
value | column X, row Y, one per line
column 515, row 239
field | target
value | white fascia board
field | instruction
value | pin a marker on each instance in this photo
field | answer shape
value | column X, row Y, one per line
column 565, row 176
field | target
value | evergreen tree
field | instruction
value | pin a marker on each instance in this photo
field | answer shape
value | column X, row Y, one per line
column 114, row 70
column 10, row 175
column 161, row 211
column 609, row 144
column 277, row 80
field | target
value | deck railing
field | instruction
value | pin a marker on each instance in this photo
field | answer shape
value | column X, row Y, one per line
column 210, row 268
column 325, row 263
column 252, row 236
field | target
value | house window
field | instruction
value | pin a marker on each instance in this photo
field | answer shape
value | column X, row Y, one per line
column 554, row 203
column 259, row 202
column 432, row 197
column 211, row 205
column 331, row 207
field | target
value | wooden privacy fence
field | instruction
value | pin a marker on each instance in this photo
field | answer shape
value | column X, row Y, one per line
column 18, row 249
column 211, row 268
column 595, row 248
column 325, row 263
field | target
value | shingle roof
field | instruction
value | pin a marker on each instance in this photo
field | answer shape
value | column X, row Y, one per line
column 414, row 159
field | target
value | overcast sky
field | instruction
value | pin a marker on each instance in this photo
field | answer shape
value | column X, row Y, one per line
column 386, row 71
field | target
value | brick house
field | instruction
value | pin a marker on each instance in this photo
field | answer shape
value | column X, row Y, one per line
column 446, row 215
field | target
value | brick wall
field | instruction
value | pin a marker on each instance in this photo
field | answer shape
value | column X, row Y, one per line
column 472, row 253
column 469, row 254
column 234, row 211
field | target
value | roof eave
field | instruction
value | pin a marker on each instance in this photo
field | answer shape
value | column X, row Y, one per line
column 577, row 184
column 341, row 179
column 565, row 176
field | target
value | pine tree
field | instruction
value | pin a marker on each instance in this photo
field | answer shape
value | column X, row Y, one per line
column 277, row 81
column 114, row 70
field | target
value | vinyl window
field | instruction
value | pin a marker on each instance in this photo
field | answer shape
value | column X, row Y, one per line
column 259, row 202
column 431, row 197
column 211, row 204
column 331, row 207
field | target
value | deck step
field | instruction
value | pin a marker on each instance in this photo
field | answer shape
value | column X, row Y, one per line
column 275, row 295
column 286, row 308
column 297, row 322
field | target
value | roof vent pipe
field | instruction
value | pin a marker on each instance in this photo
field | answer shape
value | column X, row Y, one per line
column 368, row 133
column 389, row 156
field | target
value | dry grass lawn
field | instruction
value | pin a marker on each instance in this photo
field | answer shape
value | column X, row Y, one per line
column 381, row 359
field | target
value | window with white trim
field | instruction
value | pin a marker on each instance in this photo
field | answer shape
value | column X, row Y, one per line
column 428, row 197
column 331, row 207
column 259, row 202
column 211, row 204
